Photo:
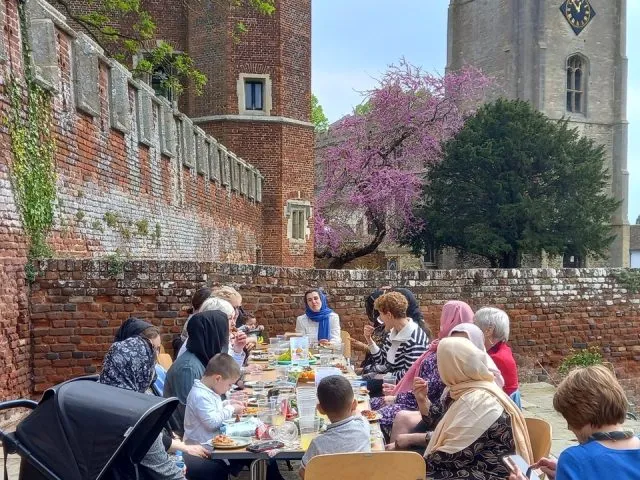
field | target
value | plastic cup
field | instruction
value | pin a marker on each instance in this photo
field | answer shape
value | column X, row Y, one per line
column 309, row 428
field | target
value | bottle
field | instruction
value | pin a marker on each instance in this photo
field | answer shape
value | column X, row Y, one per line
column 179, row 461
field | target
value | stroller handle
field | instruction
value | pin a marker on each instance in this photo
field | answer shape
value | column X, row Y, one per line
column 21, row 403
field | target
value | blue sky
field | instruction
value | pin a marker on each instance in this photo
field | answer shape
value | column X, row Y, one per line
column 354, row 41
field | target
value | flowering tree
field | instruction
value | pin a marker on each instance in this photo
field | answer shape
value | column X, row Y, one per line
column 374, row 166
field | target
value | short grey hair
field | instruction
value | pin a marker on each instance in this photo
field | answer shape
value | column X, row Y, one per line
column 215, row 303
column 488, row 317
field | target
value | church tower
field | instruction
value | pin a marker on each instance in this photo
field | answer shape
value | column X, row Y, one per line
column 566, row 57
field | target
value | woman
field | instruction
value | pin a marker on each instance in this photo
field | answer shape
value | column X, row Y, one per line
column 319, row 321
column 409, row 427
column 481, row 426
column 594, row 405
column 426, row 367
column 208, row 335
column 129, row 364
column 494, row 324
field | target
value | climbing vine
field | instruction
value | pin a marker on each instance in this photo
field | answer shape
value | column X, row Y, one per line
column 29, row 122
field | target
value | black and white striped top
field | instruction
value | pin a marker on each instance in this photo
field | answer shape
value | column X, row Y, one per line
column 400, row 350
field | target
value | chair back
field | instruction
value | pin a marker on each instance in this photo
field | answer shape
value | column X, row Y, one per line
column 372, row 466
column 165, row 360
column 346, row 343
column 540, row 435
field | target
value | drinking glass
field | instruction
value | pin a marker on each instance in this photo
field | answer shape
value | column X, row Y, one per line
column 309, row 428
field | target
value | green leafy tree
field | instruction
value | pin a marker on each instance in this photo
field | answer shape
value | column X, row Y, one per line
column 513, row 182
column 105, row 21
column 318, row 118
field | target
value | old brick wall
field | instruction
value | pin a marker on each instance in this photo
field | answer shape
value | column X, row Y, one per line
column 76, row 307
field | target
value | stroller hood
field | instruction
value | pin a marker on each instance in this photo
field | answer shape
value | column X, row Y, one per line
column 81, row 429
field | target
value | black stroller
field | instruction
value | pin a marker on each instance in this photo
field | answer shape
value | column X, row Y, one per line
column 83, row 430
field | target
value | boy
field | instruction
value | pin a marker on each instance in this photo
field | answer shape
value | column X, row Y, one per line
column 205, row 410
column 348, row 433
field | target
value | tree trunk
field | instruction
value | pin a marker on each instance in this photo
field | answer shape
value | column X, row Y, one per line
column 339, row 261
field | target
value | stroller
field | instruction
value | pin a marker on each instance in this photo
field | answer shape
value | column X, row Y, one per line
column 84, row 430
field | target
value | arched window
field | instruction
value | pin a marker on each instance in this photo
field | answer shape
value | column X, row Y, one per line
column 576, row 84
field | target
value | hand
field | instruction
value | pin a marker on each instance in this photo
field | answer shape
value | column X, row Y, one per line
column 389, row 447
column 239, row 342
column 261, row 328
column 389, row 399
column 517, row 475
column 368, row 332
column 420, row 389
column 196, row 451
column 548, row 467
column 248, row 347
column 388, row 388
column 238, row 408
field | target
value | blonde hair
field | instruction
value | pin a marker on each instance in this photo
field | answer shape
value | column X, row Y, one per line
column 591, row 396
column 394, row 303
column 229, row 294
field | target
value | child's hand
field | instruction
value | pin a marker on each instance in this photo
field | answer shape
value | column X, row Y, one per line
column 261, row 328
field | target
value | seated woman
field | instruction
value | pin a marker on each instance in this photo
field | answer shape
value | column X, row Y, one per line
column 319, row 321
column 481, row 426
column 426, row 367
column 129, row 364
column 208, row 335
column 410, row 427
column 594, row 405
column 494, row 323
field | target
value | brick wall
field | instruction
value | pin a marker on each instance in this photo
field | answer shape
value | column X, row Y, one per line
column 76, row 307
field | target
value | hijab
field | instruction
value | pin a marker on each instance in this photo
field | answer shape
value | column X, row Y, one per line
column 453, row 313
column 478, row 401
column 476, row 337
column 208, row 335
column 130, row 328
column 321, row 317
column 129, row 364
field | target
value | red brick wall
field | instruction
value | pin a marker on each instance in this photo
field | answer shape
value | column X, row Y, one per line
column 77, row 307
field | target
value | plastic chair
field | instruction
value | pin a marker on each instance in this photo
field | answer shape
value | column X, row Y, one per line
column 540, row 435
column 346, row 343
column 372, row 466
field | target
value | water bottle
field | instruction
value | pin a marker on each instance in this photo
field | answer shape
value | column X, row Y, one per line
column 179, row 461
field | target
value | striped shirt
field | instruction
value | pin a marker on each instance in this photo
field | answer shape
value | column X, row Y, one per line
column 400, row 350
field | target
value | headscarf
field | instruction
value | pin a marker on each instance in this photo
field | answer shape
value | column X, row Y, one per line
column 478, row 401
column 476, row 337
column 130, row 328
column 208, row 335
column 453, row 313
column 129, row 364
column 321, row 317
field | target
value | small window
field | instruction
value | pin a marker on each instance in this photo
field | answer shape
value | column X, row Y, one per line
column 254, row 95
column 576, row 67
column 298, row 213
column 298, row 225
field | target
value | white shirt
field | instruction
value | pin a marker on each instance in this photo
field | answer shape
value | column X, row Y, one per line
column 204, row 414
column 310, row 328
column 396, row 339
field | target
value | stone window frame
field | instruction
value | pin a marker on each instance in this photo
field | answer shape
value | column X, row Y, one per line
column 148, row 78
column 298, row 213
column 577, row 70
column 267, row 98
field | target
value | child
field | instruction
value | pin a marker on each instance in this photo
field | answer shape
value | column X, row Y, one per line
column 347, row 433
column 205, row 410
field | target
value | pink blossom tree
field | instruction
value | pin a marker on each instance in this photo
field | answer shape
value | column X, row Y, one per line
column 374, row 165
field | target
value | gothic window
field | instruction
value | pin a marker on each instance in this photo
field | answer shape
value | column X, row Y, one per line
column 576, row 84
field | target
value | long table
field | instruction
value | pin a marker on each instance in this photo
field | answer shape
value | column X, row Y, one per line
column 258, row 460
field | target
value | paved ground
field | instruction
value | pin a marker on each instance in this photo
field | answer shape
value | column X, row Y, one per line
column 536, row 402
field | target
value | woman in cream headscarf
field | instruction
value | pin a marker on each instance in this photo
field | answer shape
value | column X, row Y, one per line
column 482, row 424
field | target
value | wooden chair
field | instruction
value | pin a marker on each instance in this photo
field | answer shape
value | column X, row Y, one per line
column 346, row 343
column 165, row 360
column 372, row 466
column 540, row 435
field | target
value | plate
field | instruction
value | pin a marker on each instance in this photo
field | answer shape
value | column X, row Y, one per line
column 313, row 361
column 252, row 383
column 241, row 442
column 377, row 418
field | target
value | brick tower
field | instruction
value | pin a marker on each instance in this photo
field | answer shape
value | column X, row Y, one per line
column 257, row 102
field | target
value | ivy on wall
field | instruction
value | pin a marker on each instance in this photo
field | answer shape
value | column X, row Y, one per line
column 30, row 125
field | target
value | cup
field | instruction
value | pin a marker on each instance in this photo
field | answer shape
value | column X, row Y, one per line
column 309, row 428
column 390, row 379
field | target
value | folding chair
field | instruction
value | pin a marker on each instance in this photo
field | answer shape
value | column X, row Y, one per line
column 540, row 435
column 372, row 466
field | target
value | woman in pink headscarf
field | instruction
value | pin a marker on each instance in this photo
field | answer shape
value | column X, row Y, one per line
column 453, row 314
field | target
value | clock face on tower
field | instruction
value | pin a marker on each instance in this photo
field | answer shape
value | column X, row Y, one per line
column 578, row 13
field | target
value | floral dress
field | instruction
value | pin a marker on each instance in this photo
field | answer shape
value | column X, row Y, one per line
column 407, row 401
column 482, row 460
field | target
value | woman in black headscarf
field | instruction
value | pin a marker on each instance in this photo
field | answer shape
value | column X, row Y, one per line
column 129, row 364
column 130, row 328
column 208, row 335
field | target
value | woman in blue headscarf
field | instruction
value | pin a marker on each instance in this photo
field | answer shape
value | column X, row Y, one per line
column 319, row 321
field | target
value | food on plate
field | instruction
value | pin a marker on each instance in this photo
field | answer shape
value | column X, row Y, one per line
column 251, row 410
column 286, row 356
column 343, row 368
column 307, row 376
column 370, row 414
column 223, row 440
